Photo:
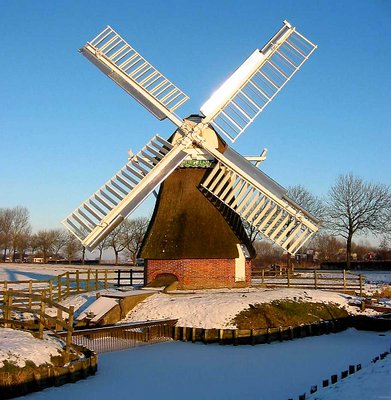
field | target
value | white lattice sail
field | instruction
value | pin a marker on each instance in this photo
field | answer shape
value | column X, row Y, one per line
column 125, row 66
column 118, row 197
column 260, row 201
column 241, row 98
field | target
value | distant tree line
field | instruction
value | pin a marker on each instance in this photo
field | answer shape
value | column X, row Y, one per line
column 18, row 243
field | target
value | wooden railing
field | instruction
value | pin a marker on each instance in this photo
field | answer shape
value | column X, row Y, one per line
column 327, row 280
column 124, row 336
column 15, row 304
column 79, row 281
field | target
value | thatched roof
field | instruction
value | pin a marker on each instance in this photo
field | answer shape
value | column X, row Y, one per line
column 186, row 224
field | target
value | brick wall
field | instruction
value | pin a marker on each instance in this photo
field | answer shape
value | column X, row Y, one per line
column 199, row 273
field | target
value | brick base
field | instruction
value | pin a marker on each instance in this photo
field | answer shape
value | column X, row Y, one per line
column 199, row 273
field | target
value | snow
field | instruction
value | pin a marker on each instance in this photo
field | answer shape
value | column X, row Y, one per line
column 216, row 309
column 372, row 382
column 17, row 347
column 98, row 309
column 177, row 370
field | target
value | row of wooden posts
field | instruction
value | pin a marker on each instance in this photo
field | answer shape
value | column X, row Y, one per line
column 343, row 375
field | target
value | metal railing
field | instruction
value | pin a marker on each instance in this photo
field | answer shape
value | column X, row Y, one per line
column 124, row 336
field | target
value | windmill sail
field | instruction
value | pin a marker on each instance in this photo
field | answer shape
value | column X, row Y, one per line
column 118, row 197
column 126, row 67
column 260, row 201
column 241, row 98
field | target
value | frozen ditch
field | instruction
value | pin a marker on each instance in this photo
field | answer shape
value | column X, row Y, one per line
column 178, row 370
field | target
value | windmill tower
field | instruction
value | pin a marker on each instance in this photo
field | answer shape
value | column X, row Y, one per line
column 206, row 187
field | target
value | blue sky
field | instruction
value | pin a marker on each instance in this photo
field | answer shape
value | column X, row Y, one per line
column 65, row 128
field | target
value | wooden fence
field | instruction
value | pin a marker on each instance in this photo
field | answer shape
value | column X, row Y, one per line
column 74, row 282
column 124, row 336
column 327, row 280
column 14, row 305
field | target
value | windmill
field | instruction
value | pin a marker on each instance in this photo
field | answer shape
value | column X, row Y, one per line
column 231, row 185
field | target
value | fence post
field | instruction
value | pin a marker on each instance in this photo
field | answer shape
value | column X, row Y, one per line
column 68, row 342
column 41, row 315
column 106, row 279
column 59, row 284
column 131, row 277
column 315, row 279
column 361, row 282
column 263, row 277
column 344, row 279
column 88, row 279
column 30, row 292
column 7, row 308
column 288, row 277
column 67, row 283
column 50, row 289
column 77, row 281
column 119, row 277
column 59, row 318
column 96, row 280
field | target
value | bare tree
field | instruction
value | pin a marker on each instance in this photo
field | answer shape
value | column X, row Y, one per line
column 72, row 247
column 327, row 246
column 23, row 244
column 20, row 226
column 135, row 231
column 6, row 216
column 60, row 240
column 267, row 253
column 44, row 242
column 305, row 199
column 103, row 245
column 118, row 240
column 355, row 206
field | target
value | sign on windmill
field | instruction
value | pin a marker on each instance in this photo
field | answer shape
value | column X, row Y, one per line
column 206, row 188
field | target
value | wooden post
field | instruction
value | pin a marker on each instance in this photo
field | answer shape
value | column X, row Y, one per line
column 315, row 279
column 59, row 288
column 193, row 334
column 131, row 277
column 263, row 277
column 41, row 315
column 221, row 336
column 361, row 285
column 69, row 334
column 5, row 285
column 30, row 292
column 96, row 280
column 77, row 281
column 59, row 318
column 7, row 307
column 288, row 277
column 106, row 285
column 344, row 279
column 50, row 289
column 88, row 279
column 67, row 283
column 235, row 335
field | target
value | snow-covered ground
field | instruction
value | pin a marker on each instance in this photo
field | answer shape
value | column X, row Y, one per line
column 178, row 370
column 373, row 382
column 17, row 347
column 216, row 309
